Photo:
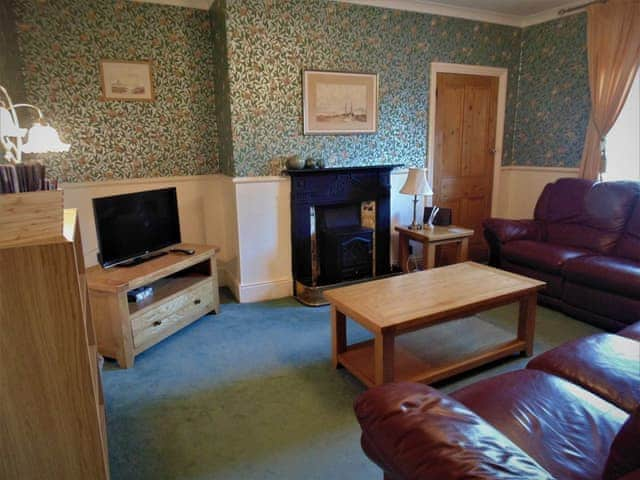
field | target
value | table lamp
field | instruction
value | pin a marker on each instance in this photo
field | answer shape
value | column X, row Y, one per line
column 415, row 185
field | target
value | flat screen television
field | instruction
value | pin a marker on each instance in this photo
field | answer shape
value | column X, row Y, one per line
column 133, row 226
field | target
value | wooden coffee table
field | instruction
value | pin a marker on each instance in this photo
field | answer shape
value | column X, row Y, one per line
column 439, row 300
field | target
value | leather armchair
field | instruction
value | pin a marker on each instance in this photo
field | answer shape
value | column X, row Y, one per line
column 573, row 413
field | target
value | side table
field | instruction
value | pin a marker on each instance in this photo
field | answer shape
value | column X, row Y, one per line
column 431, row 237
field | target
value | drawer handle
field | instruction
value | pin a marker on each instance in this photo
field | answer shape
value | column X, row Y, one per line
column 197, row 301
column 157, row 323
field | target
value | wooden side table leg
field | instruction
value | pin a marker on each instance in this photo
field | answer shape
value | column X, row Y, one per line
column 383, row 358
column 430, row 249
column 338, row 335
column 403, row 251
column 463, row 250
column 527, row 321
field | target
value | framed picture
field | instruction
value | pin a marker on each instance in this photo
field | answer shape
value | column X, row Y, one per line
column 338, row 103
column 126, row 80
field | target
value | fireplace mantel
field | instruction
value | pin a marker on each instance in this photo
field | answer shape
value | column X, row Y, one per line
column 335, row 186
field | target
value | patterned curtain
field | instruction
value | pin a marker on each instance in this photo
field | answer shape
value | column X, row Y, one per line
column 613, row 44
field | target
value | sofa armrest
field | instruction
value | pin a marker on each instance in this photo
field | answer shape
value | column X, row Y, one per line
column 508, row 230
column 499, row 230
column 412, row 431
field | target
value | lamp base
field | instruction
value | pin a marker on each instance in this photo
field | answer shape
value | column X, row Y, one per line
column 415, row 226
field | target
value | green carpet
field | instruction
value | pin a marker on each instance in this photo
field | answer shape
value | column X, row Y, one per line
column 251, row 394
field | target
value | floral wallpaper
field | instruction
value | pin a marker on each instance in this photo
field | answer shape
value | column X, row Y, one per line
column 554, row 103
column 61, row 43
column 270, row 43
column 221, row 80
column 252, row 53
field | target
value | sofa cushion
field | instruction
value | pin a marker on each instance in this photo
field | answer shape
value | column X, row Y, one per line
column 565, row 428
column 632, row 331
column 617, row 275
column 544, row 256
column 624, row 456
column 553, row 281
column 584, row 214
column 413, row 431
column 605, row 364
column 562, row 201
column 629, row 244
column 622, row 309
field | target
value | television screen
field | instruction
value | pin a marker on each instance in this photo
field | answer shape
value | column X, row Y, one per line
column 136, row 224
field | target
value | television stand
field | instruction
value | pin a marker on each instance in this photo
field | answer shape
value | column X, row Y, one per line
column 185, row 288
column 141, row 259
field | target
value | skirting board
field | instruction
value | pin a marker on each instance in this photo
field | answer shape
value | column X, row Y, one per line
column 259, row 291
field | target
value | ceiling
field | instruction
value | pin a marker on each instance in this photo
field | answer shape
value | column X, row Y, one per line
column 508, row 7
column 510, row 12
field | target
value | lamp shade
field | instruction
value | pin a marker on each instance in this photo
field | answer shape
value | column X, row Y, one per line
column 8, row 128
column 417, row 183
column 43, row 139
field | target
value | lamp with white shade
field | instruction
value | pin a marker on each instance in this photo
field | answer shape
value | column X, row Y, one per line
column 41, row 138
column 416, row 184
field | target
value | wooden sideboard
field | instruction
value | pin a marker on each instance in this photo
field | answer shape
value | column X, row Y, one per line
column 185, row 288
column 51, row 400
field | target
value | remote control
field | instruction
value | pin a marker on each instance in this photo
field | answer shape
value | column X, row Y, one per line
column 183, row 251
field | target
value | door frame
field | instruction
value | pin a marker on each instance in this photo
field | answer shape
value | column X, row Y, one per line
column 503, row 77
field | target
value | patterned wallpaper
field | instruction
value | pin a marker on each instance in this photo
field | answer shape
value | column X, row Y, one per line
column 221, row 80
column 270, row 42
column 10, row 65
column 61, row 43
column 254, row 56
column 554, row 102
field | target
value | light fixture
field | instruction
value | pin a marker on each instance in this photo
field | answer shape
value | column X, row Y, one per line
column 415, row 185
column 42, row 138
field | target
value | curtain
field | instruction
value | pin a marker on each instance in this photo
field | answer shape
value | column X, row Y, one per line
column 613, row 49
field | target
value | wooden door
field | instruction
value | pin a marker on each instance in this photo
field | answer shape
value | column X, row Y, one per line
column 465, row 137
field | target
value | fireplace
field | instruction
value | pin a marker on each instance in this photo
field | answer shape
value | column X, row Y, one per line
column 344, row 246
column 340, row 227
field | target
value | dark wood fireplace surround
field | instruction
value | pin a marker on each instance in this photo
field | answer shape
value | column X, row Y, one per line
column 322, row 188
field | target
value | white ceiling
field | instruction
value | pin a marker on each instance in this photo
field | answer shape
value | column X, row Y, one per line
column 510, row 12
column 508, row 7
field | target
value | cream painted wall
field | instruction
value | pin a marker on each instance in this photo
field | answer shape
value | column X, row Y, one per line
column 200, row 202
column 520, row 188
column 264, row 234
column 249, row 218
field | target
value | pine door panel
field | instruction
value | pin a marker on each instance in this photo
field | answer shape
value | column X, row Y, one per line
column 464, row 151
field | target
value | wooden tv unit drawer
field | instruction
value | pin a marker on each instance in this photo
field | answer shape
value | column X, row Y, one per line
column 159, row 321
column 185, row 288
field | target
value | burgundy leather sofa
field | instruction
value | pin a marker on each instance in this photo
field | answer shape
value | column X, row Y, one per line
column 584, row 241
column 573, row 413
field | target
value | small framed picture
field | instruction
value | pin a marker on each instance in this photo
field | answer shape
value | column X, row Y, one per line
column 338, row 103
column 127, row 80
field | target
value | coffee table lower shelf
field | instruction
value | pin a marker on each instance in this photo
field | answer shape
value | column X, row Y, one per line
column 427, row 368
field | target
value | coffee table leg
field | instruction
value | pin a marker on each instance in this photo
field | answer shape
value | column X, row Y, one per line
column 527, row 321
column 383, row 358
column 338, row 334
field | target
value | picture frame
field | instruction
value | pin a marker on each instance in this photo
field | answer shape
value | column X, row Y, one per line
column 127, row 80
column 339, row 103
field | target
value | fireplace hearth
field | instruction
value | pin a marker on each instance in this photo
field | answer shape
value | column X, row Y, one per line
column 333, row 241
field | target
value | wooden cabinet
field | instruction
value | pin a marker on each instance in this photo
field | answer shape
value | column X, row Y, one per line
column 184, row 289
column 51, row 401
